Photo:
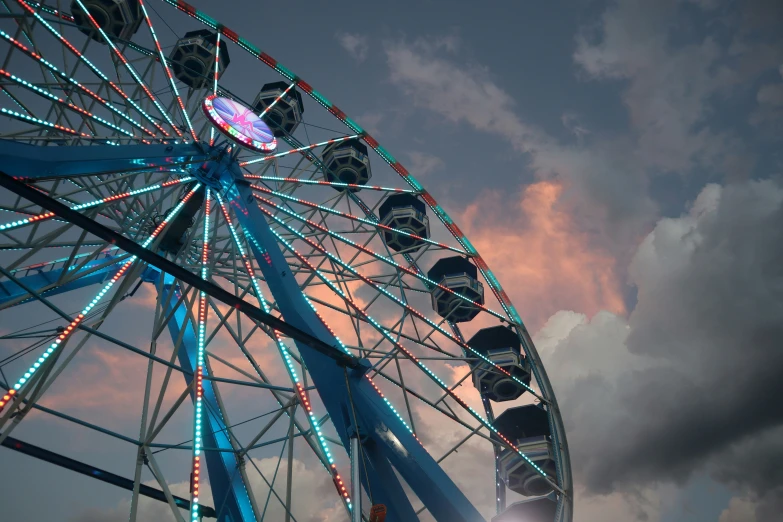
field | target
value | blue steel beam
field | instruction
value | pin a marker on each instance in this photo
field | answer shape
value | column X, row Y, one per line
column 22, row 160
column 231, row 498
column 388, row 440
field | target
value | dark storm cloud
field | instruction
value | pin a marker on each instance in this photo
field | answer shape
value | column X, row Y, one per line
column 691, row 382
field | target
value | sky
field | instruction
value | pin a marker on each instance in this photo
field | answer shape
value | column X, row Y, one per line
column 618, row 165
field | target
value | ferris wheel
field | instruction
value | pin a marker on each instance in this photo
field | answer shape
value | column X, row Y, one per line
column 266, row 289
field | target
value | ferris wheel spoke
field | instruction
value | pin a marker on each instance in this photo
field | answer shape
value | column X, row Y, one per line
column 351, row 217
column 363, row 248
column 284, row 352
column 85, row 61
column 271, row 157
column 329, row 184
column 415, row 313
column 168, row 72
column 129, row 67
column 215, row 76
column 43, row 216
column 432, row 376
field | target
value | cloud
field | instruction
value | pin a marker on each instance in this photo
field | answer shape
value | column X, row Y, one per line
column 457, row 91
column 683, row 384
column 739, row 510
column 672, row 89
column 668, row 88
column 423, row 163
column 370, row 121
column 357, row 45
column 602, row 180
column 546, row 261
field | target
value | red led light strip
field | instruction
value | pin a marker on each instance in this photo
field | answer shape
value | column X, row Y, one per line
column 351, row 217
column 168, row 72
column 199, row 373
column 109, row 199
column 301, row 392
column 19, row 45
column 397, row 300
column 68, row 331
column 410, row 356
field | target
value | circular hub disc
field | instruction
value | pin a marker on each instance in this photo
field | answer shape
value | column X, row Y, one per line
column 239, row 123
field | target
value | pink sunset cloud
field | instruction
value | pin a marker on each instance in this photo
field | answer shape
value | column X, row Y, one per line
column 544, row 260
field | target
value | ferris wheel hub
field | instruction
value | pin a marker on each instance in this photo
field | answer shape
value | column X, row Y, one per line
column 239, row 123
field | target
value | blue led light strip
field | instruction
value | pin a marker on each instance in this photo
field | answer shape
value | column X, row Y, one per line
column 304, row 396
column 59, row 73
column 168, row 73
column 43, row 216
column 199, row 374
column 72, row 327
column 37, row 121
column 130, row 68
column 399, row 301
column 374, row 224
column 300, row 149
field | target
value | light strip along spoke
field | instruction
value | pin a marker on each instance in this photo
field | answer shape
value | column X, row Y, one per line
column 282, row 95
column 72, row 81
column 46, row 94
column 131, row 70
column 43, row 216
column 284, row 352
column 66, row 334
column 39, row 266
column 402, row 303
column 215, row 84
column 168, row 72
column 373, row 224
column 300, row 149
column 410, row 271
column 418, row 362
column 43, row 123
column 360, row 312
column 202, row 326
column 329, row 183
column 92, row 67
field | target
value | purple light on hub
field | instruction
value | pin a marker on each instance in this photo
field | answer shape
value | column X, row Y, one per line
column 239, row 123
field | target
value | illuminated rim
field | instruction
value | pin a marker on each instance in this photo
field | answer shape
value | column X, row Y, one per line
column 245, row 127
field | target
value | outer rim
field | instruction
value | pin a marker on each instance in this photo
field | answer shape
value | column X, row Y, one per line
column 565, row 507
